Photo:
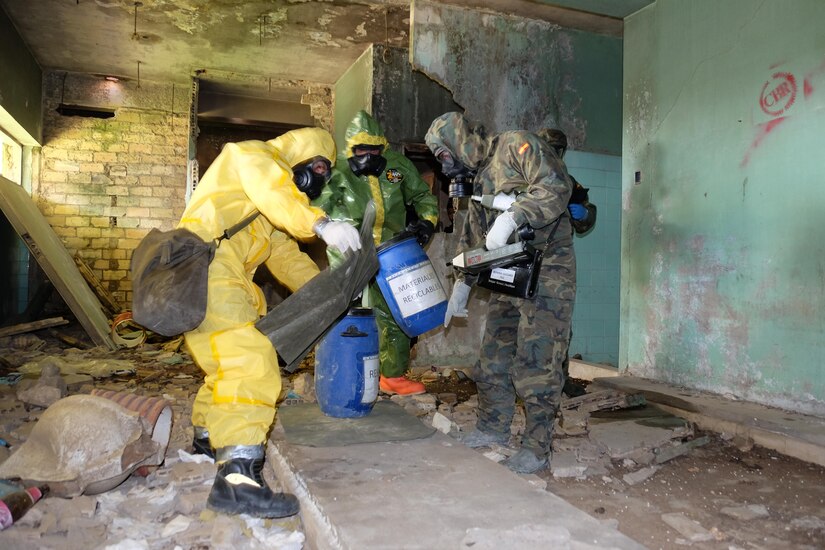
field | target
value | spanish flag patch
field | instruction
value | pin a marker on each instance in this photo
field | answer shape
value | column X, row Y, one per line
column 523, row 148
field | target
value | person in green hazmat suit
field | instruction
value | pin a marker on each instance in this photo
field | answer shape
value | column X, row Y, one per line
column 234, row 409
column 368, row 169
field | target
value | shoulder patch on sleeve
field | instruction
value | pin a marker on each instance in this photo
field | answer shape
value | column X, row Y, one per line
column 523, row 148
column 395, row 176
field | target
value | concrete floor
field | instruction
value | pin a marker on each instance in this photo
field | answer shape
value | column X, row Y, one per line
column 426, row 493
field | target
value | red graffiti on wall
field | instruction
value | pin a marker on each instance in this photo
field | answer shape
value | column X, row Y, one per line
column 778, row 94
column 762, row 133
column 808, row 86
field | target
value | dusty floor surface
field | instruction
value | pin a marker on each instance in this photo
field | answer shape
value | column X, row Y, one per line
column 725, row 495
column 710, row 486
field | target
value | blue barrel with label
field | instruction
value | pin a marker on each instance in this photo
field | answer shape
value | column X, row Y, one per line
column 410, row 286
column 346, row 366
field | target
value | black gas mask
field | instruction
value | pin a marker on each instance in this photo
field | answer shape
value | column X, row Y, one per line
column 369, row 162
column 461, row 177
column 311, row 175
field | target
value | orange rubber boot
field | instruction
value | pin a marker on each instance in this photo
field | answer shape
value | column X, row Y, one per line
column 400, row 385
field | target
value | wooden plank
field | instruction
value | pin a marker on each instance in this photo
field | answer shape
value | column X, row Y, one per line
column 602, row 400
column 31, row 327
column 106, row 297
column 55, row 260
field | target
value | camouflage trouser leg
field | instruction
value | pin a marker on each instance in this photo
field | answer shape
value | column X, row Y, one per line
column 496, row 393
column 523, row 352
column 566, row 366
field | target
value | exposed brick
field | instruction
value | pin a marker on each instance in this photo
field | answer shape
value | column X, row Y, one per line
column 118, row 171
column 92, row 167
column 88, row 232
column 116, row 211
column 129, row 223
column 64, row 166
column 114, row 275
column 140, row 148
column 84, row 156
column 117, row 190
column 80, row 178
column 76, row 221
column 164, row 213
column 74, row 243
column 138, row 212
column 105, row 157
column 100, row 221
column 50, row 176
column 155, row 203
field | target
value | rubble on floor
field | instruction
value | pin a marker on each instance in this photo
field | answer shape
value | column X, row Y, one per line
column 163, row 508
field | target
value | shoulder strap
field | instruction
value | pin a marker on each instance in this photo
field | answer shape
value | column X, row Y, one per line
column 227, row 234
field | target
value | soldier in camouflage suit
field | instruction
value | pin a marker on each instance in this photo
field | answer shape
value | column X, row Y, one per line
column 524, row 340
column 583, row 218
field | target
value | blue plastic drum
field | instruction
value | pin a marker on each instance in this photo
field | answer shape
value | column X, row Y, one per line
column 346, row 366
column 410, row 286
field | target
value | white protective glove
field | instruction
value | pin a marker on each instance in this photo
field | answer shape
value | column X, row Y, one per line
column 502, row 228
column 501, row 202
column 340, row 235
column 457, row 306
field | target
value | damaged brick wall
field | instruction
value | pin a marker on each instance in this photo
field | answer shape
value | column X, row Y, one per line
column 104, row 183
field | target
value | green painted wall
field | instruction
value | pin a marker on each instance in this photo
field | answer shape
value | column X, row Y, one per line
column 514, row 73
column 20, row 86
column 723, row 255
column 352, row 92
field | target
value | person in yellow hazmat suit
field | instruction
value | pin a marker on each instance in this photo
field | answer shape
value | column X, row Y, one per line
column 235, row 407
column 369, row 170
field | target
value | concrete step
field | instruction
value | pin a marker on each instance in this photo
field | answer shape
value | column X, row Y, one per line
column 425, row 494
column 798, row 435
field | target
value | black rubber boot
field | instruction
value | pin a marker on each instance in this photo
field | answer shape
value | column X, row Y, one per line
column 239, row 488
column 202, row 446
column 571, row 389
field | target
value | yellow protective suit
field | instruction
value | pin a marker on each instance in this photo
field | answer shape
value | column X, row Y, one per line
column 236, row 404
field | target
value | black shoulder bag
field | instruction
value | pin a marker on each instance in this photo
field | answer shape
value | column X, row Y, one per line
column 169, row 278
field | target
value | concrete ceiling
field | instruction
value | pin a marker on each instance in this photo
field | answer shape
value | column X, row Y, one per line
column 258, row 44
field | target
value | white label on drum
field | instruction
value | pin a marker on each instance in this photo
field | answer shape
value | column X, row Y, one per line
column 416, row 288
column 370, row 379
column 506, row 275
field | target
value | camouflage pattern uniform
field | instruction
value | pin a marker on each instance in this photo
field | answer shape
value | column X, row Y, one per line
column 524, row 340
column 345, row 198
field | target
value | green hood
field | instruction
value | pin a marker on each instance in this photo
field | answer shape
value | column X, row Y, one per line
column 363, row 130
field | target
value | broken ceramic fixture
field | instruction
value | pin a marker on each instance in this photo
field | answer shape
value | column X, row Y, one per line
column 88, row 444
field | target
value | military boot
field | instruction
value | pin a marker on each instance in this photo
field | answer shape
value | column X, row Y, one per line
column 239, row 486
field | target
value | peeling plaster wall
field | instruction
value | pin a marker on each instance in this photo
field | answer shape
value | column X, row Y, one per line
column 20, row 82
column 404, row 101
column 515, row 73
column 723, row 256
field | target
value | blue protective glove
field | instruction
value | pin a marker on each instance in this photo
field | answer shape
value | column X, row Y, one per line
column 577, row 211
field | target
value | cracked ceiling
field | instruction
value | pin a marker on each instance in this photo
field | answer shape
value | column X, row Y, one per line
column 248, row 44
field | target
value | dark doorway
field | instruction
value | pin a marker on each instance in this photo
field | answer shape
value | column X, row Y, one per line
column 214, row 134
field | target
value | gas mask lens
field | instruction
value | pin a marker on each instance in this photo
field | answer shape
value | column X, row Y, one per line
column 461, row 178
column 310, row 176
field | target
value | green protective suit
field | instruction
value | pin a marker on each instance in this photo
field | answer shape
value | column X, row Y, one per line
column 236, row 403
column 398, row 186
